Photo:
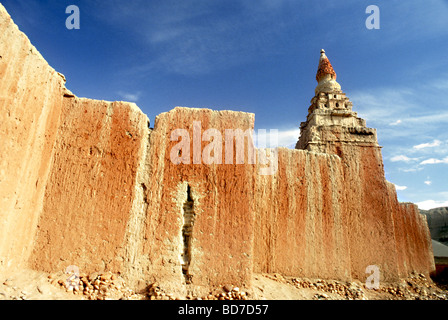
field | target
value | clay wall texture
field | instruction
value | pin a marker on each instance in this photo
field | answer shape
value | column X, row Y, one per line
column 88, row 183
column 91, row 187
column 223, row 227
column 300, row 218
column 31, row 95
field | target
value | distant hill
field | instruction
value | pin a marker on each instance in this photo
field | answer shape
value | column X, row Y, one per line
column 438, row 223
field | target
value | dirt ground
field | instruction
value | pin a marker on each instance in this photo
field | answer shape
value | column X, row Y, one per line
column 33, row 285
column 276, row 287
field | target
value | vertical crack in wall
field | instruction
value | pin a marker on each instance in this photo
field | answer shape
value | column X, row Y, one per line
column 187, row 231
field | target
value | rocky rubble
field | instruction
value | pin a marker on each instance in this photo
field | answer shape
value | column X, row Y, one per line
column 105, row 286
column 416, row 287
column 110, row 286
column 349, row 291
column 228, row 292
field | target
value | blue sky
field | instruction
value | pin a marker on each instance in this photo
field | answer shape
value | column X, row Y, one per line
column 261, row 56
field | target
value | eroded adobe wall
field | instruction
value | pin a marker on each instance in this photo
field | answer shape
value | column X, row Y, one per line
column 92, row 187
column 222, row 234
column 300, row 217
column 370, row 224
column 31, row 95
column 382, row 231
column 413, row 241
column 328, row 216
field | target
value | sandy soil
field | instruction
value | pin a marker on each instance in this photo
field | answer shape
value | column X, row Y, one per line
column 33, row 285
column 276, row 287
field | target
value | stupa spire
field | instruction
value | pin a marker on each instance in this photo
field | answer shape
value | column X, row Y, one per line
column 331, row 123
column 326, row 76
column 325, row 67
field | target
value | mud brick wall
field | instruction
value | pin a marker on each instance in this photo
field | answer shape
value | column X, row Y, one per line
column 88, row 183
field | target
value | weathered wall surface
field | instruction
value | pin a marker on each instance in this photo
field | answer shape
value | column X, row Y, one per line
column 414, row 245
column 92, row 186
column 327, row 216
column 30, row 104
column 377, row 222
column 369, row 221
column 222, row 234
column 300, row 218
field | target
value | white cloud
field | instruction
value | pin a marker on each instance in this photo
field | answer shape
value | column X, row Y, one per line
column 409, row 112
column 402, row 158
column 400, row 188
column 414, row 169
column 280, row 138
column 435, row 161
column 288, row 137
column 428, row 183
column 431, row 204
column 441, row 85
column 435, row 143
column 396, row 123
column 131, row 97
column 374, row 105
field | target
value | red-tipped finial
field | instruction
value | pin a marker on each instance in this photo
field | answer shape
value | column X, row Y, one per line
column 325, row 68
